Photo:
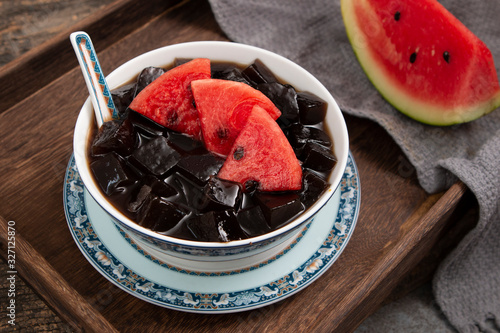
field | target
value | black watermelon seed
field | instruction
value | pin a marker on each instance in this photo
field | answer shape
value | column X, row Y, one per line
column 446, row 56
column 222, row 133
column 251, row 185
column 413, row 57
column 397, row 16
column 239, row 153
column 172, row 118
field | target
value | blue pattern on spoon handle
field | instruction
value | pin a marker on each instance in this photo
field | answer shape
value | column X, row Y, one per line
column 94, row 78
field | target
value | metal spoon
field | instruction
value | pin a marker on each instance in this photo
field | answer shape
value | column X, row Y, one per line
column 100, row 95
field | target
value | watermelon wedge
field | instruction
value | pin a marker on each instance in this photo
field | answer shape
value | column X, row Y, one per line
column 422, row 59
column 223, row 107
column 262, row 153
column 168, row 100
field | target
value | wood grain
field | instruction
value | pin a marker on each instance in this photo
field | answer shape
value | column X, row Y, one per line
column 27, row 24
column 398, row 224
column 402, row 256
column 49, row 284
column 51, row 59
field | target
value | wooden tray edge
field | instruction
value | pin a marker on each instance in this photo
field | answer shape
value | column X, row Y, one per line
column 50, row 285
column 35, row 69
column 27, row 64
column 425, row 235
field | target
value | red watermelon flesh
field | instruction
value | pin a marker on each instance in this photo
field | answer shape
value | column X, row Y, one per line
column 422, row 59
column 262, row 153
column 223, row 107
column 168, row 100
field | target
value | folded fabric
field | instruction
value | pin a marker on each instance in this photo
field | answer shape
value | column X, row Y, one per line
column 312, row 33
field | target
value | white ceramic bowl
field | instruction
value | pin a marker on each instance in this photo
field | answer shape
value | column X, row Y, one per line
column 283, row 68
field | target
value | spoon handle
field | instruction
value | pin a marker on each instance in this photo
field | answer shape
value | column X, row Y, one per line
column 100, row 95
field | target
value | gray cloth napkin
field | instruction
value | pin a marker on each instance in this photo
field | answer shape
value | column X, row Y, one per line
column 312, row 33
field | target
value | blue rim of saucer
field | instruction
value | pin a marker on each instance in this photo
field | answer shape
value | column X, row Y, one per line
column 109, row 249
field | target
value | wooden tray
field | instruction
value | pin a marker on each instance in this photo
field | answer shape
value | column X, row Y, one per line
column 42, row 92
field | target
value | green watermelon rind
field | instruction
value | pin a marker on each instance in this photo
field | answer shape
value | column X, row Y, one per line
column 424, row 112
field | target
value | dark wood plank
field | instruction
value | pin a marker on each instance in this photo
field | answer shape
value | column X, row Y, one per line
column 402, row 255
column 34, row 315
column 69, row 304
column 463, row 219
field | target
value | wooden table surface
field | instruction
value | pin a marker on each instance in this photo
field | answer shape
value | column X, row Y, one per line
column 25, row 25
column 401, row 235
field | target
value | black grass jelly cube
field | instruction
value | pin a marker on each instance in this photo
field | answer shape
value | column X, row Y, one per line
column 313, row 185
column 258, row 73
column 252, row 221
column 279, row 209
column 189, row 193
column 285, row 99
column 312, row 109
column 224, row 71
column 185, row 143
column 147, row 127
column 299, row 135
column 216, row 226
column 110, row 172
column 203, row 228
column 222, row 194
column 161, row 215
column 317, row 157
column 147, row 75
column 155, row 157
column 122, row 97
column 200, row 168
column 115, row 135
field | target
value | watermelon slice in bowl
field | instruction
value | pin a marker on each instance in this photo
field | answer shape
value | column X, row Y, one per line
column 262, row 153
column 168, row 100
column 422, row 59
column 223, row 107
column 224, row 52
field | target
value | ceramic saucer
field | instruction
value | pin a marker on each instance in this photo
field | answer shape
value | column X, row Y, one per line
column 155, row 279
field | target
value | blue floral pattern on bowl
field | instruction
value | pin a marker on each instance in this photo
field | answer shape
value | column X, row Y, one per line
column 171, row 292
